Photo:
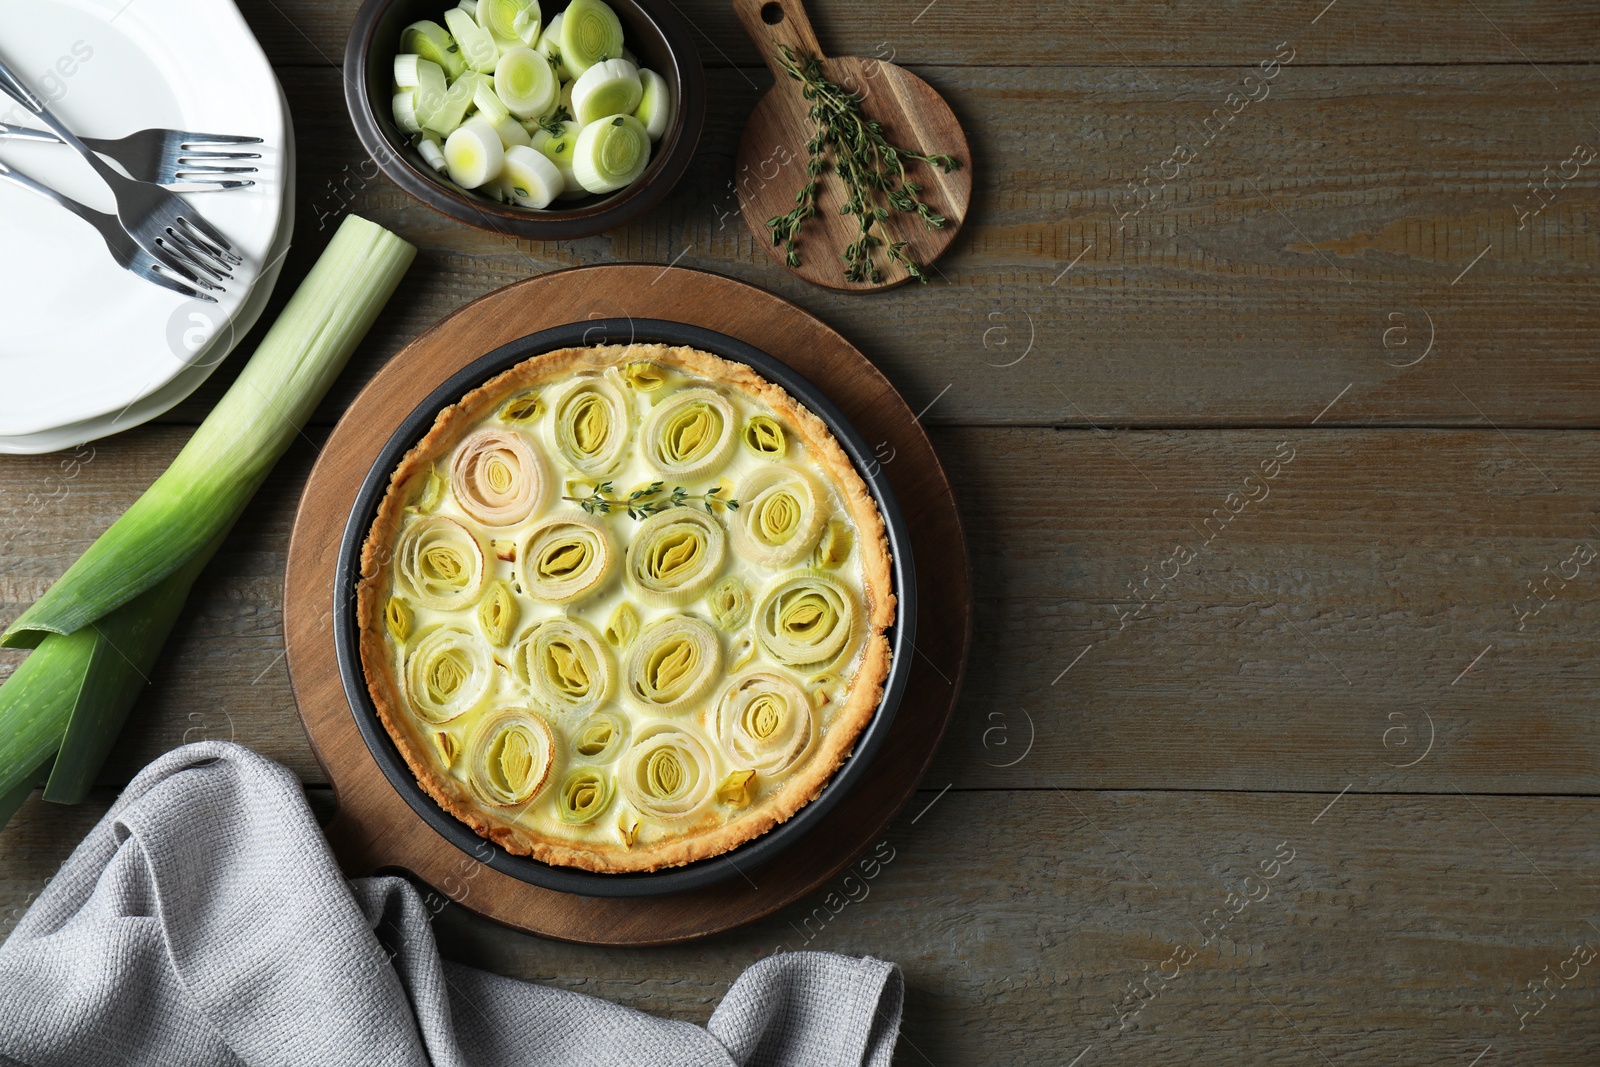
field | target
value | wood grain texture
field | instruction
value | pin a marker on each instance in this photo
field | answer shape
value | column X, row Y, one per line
column 1106, row 33
column 1226, row 299
column 375, row 829
column 1402, row 931
column 1293, row 271
column 913, row 116
column 1388, row 558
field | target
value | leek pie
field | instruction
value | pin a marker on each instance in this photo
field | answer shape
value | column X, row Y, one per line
column 623, row 607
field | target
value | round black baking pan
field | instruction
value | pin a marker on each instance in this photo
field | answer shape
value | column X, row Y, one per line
column 570, row 879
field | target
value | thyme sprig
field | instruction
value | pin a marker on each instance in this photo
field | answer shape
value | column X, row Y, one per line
column 642, row 503
column 555, row 123
column 872, row 169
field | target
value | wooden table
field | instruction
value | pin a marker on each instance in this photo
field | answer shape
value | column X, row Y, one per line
column 1268, row 450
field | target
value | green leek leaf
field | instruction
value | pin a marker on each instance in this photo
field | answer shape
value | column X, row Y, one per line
column 12, row 798
column 127, row 643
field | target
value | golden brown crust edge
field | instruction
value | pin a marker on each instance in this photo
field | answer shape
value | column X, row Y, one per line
column 865, row 690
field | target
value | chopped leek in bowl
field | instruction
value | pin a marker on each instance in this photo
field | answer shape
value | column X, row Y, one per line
column 513, row 109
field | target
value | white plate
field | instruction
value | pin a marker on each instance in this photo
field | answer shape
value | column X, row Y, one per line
column 85, row 339
column 207, row 358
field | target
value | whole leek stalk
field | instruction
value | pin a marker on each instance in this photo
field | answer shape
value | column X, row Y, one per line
column 96, row 633
column 226, row 460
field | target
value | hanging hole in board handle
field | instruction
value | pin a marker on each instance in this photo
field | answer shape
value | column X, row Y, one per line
column 772, row 14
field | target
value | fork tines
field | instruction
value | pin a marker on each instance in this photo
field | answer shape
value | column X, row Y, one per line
column 188, row 244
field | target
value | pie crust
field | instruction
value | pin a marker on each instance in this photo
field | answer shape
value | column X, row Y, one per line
column 853, row 682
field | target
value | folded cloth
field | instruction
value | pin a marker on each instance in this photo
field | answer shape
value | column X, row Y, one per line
column 204, row 921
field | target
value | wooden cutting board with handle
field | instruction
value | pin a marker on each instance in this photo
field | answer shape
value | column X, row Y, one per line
column 772, row 152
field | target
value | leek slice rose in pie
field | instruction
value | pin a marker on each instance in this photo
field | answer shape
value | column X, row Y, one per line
column 623, row 607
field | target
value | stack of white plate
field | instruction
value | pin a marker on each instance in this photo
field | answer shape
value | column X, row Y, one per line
column 86, row 348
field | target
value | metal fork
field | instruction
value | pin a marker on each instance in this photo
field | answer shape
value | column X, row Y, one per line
column 156, row 219
column 122, row 247
column 173, row 158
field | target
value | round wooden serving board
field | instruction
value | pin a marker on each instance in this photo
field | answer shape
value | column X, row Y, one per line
column 773, row 158
column 374, row 828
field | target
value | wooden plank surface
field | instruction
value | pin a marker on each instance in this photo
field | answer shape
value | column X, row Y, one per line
column 1311, row 642
column 1108, row 33
column 1402, row 930
column 1358, row 229
column 1384, row 656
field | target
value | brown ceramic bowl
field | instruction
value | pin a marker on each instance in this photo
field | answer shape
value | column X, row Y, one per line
column 655, row 33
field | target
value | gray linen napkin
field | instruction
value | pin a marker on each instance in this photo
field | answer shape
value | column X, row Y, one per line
column 204, row 921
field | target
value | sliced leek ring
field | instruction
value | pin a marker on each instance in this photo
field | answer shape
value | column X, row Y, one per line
column 448, row 673
column 738, row 789
column 511, row 23
column 522, row 409
column 566, row 665
column 528, row 178
column 412, row 71
column 655, row 104
column 527, row 25
column 565, row 559
column 447, row 118
column 833, row 548
column 585, row 795
column 744, row 650
column 689, row 435
column 806, row 622
column 601, row 737
column 765, row 722
column 764, row 437
column 610, row 87
column 498, row 477
column 557, row 147
column 440, row 563
column 782, row 513
column 549, row 44
column 592, row 424
column 644, row 376
column 405, row 111
column 429, row 492
column 525, row 83
column 490, row 108
column 673, row 663
column 729, row 601
column 667, row 774
column 474, row 154
column 498, row 613
column 397, row 619
column 590, row 32
column 447, row 746
column 432, row 42
column 610, row 153
column 512, row 753
column 432, row 151
column 428, row 97
column 674, row 555
column 623, row 626
column 407, row 73
column 477, row 46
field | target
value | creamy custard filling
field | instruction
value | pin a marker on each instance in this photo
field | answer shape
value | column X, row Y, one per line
column 618, row 677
